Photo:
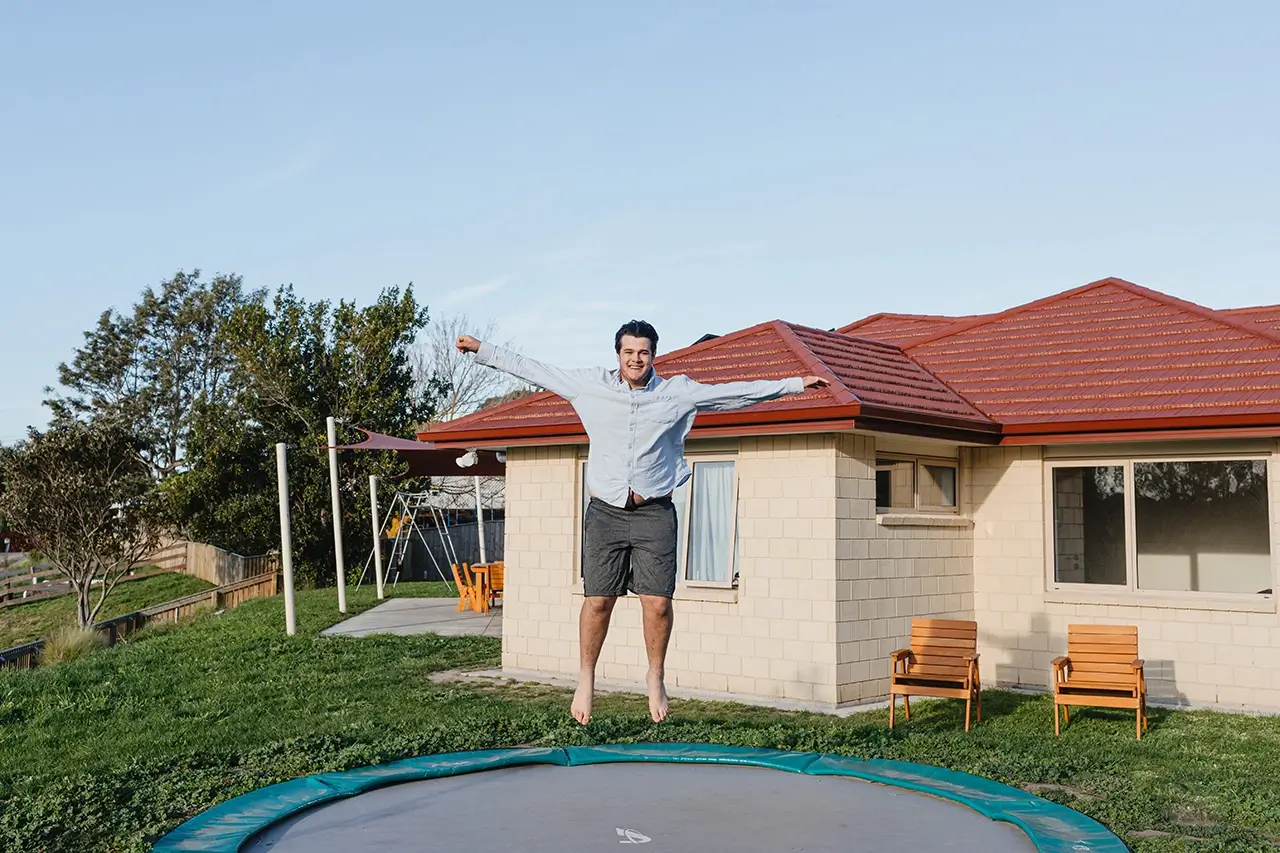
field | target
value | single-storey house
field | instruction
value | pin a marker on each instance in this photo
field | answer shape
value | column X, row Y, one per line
column 1109, row 454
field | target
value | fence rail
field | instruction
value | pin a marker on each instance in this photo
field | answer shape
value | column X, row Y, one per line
column 262, row 585
column 28, row 589
column 207, row 562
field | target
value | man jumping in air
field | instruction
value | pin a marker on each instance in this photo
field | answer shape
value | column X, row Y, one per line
column 636, row 423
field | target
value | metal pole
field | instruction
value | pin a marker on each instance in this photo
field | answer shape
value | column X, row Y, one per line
column 340, row 559
column 377, row 532
column 480, row 521
column 286, row 538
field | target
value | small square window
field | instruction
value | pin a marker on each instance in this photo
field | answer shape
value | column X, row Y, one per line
column 895, row 484
column 937, row 486
column 916, row 484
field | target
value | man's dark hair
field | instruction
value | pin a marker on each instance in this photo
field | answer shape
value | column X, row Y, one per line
column 637, row 329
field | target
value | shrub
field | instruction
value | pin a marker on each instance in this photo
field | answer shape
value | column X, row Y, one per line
column 71, row 643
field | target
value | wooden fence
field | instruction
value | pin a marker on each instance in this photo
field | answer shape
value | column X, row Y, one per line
column 430, row 562
column 214, row 565
column 225, row 597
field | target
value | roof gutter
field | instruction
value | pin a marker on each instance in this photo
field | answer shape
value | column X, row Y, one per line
column 1142, row 435
column 1142, row 429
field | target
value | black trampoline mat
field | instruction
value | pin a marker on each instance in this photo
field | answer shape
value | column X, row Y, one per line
column 714, row 808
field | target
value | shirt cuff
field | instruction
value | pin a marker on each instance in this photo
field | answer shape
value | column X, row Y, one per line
column 795, row 385
column 487, row 354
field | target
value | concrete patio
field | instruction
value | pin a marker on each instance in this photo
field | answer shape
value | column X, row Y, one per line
column 407, row 616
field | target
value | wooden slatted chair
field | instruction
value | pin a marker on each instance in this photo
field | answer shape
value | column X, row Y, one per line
column 496, row 572
column 942, row 661
column 467, row 589
column 1101, row 669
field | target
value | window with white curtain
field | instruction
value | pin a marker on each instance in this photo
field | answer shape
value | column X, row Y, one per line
column 709, row 539
column 706, row 517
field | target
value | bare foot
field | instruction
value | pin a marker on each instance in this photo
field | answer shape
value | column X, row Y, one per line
column 583, row 697
column 657, row 697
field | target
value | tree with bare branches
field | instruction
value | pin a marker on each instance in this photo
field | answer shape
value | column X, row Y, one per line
column 471, row 385
column 83, row 495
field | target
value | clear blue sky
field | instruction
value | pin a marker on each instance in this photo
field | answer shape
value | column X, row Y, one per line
column 564, row 167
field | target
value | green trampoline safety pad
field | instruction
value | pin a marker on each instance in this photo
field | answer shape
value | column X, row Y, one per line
column 694, row 797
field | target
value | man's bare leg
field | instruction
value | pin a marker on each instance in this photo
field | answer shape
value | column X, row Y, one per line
column 657, row 634
column 593, row 625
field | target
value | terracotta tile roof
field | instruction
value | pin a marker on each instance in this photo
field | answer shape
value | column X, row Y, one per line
column 881, row 376
column 1267, row 316
column 865, row 374
column 1109, row 351
column 901, row 329
column 1106, row 358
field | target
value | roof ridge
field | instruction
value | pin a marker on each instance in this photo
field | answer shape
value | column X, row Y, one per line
column 922, row 368
column 983, row 319
column 1111, row 281
column 845, row 336
column 894, row 315
column 1249, row 309
column 1195, row 308
column 712, row 342
column 807, row 356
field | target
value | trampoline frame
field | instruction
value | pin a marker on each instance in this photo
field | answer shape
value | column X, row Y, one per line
column 1051, row 827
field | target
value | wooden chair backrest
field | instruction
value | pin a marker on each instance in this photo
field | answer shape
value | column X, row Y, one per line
column 463, row 585
column 939, row 647
column 1103, row 652
column 496, row 571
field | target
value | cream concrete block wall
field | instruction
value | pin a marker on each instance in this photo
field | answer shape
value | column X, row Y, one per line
column 541, row 505
column 1196, row 653
column 773, row 637
column 781, row 634
column 889, row 570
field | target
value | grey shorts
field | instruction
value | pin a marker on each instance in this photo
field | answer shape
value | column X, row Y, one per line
column 629, row 549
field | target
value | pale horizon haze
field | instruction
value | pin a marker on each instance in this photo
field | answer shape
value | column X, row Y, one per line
column 560, row 168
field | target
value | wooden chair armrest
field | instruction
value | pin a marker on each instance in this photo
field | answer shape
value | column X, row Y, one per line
column 1061, row 662
column 1138, row 664
column 901, row 660
column 972, row 657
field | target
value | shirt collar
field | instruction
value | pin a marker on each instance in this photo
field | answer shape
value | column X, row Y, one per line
column 654, row 379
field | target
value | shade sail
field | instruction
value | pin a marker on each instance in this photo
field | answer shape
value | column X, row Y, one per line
column 425, row 459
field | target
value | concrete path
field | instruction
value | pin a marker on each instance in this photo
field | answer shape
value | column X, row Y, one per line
column 421, row 616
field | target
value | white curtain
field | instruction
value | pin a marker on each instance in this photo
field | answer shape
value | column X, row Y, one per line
column 711, row 520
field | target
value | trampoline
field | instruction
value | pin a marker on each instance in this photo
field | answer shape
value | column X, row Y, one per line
column 678, row 797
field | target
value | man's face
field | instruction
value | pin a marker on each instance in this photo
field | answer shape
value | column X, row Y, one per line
column 634, row 359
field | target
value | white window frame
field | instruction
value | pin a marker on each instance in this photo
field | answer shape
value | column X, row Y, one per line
column 918, row 463
column 694, row 459
column 1130, row 589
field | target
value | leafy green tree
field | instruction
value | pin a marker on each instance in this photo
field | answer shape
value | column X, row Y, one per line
column 82, row 495
column 295, row 363
column 153, row 367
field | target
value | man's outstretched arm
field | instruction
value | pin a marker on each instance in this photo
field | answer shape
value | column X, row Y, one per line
column 724, row 396
column 566, row 383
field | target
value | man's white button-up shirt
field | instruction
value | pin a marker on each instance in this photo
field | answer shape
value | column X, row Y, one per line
column 636, row 435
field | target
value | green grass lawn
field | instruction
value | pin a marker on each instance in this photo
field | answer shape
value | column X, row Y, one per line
column 110, row 752
column 24, row 623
